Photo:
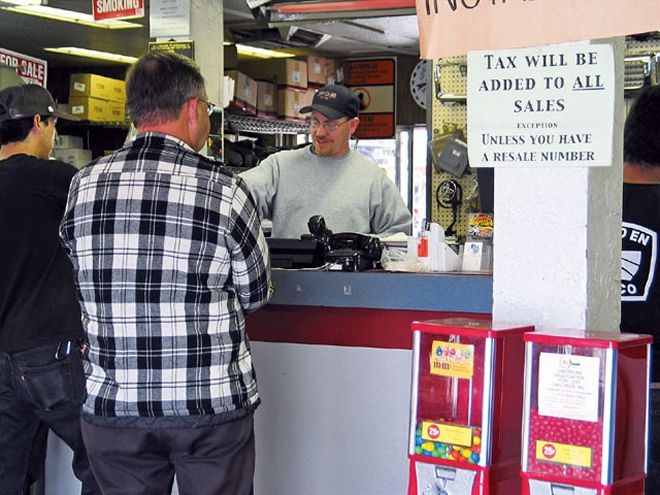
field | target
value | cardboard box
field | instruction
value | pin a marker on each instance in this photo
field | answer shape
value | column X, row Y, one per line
column 317, row 72
column 266, row 99
column 230, row 57
column 245, row 91
column 96, row 86
column 283, row 72
column 331, row 71
column 75, row 156
column 64, row 141
column 307, row 98
column 92, row 109
column 116, row 111
column 290, row 101
column 335, row 70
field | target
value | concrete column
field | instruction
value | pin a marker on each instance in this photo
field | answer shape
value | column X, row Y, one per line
column 207, row 31
column 557, row 257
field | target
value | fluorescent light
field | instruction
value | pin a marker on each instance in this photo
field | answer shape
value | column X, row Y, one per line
column 253, row 51
column 95, row 54
column 21, row 2
column 67, row 16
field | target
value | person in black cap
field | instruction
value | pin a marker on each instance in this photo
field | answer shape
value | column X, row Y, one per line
column 41, row 374
column 327, row 178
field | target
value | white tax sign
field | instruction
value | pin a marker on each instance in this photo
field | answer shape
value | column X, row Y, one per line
column 546, row 106
column 32, row 70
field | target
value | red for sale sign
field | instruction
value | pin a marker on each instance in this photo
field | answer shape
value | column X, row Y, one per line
column 118, row 9
column 32, row 70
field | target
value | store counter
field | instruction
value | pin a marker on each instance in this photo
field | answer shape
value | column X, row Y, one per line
column 332, row 357
column 333, row 362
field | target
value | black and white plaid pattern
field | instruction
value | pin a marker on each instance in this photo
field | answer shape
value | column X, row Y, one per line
column 168, row 255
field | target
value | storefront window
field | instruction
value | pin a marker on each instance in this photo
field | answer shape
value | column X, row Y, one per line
column 405, row 166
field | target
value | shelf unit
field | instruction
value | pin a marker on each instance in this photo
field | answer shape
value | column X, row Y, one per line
column 284, row 132
column 257, row 125
column 100, row 137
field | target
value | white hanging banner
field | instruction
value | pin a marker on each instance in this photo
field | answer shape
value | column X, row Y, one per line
column 546, row 106
column 454, row 27
column 168, row 18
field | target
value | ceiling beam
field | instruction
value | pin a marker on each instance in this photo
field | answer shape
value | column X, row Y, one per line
column 348, row 6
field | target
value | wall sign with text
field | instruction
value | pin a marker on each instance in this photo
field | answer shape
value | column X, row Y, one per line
column 541, row 107
column 169, row 18
column 118, row 9
column 32, row 70
column 374, row 82
column 182, row 47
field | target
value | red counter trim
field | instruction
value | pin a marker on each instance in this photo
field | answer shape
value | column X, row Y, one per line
column 352, row 327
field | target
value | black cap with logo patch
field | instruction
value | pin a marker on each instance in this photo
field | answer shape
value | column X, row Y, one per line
column 28, row 100
column 334, row 101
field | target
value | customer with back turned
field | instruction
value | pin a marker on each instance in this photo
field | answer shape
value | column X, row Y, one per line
column 640, row 269
column 168, row 256
column 327, row 178
column 41, row 374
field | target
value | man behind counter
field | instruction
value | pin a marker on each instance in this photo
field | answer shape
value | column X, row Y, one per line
column 327, row 178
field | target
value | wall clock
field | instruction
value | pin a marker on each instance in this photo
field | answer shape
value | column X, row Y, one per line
column 419, row 83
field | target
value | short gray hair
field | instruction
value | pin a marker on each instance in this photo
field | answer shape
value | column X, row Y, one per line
column 158, row 84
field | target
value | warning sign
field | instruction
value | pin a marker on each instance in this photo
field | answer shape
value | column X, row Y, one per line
column 374, row 83
column 118, row 9
column 183, row 47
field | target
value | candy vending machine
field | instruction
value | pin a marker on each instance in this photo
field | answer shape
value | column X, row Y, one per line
column 585, row 413
column 466, row 407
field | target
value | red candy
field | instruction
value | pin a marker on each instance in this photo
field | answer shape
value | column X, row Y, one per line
column 568, row 432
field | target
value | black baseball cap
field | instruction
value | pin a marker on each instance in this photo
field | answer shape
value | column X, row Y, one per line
column 28, row 100
column 334, row 101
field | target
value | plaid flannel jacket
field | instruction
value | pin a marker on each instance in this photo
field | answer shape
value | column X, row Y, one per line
column 168, row 254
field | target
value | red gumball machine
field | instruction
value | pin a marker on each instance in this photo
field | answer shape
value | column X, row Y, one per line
column 586, row 413
column 466, row 407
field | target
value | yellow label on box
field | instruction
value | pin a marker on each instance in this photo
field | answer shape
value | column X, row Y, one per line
column 561, row 453
column 454, row 360
column 439, row 432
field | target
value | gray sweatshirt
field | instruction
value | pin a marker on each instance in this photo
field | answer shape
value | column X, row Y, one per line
column 350, row 192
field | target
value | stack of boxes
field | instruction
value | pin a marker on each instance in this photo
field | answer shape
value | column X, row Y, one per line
column 279, row 88
column 245, row 92
column 70, row 149
column 286, row 78
column 97, row 98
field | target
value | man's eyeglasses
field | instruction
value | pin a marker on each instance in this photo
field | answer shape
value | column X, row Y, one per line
column 330, row 125
column 209, row 106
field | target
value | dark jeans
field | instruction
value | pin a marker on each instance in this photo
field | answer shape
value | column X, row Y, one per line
column 653, row 473
column 38, row 387
column 209, row 460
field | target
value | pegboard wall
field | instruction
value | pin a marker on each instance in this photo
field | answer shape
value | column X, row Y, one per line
column 636, row 47
column 447, row 117
column 640, row 47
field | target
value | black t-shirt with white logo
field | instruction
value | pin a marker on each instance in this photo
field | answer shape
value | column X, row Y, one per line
column 640, row 264
column 38, row 304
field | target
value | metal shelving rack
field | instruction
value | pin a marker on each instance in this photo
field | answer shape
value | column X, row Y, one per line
column 258, row 125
